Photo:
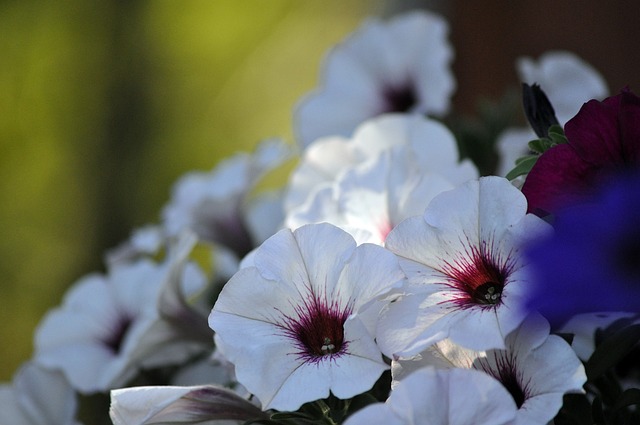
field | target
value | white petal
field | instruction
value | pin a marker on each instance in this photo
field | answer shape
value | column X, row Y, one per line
column 169, row 404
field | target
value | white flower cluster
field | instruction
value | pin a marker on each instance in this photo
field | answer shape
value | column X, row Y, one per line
column 385, row 254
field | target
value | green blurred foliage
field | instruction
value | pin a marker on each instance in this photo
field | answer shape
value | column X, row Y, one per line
column 104, row 105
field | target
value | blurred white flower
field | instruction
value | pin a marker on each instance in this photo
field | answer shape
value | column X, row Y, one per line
column 109, row 326
column 216, row 204
column 568, row 82
column 583, row 327
column 536, row 368
column 441, row 397
column 297, row 324
column 144, row 241
column 369, row 198
column 430, row 144
column 465, row 271
column 402, row 65
column 37, row 396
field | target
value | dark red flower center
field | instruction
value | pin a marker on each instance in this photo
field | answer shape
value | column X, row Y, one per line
column 318, row 328
column 399, row 99
column 480, row 275
column 504, row 370
column 116, row 337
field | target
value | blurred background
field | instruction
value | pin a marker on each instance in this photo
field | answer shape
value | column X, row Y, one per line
column 103, row 105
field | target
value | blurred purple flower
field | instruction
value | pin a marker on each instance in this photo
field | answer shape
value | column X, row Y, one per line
column 592, row 262
column 604, row 137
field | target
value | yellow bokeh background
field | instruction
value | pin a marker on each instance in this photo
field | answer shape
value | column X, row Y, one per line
column 105, row 104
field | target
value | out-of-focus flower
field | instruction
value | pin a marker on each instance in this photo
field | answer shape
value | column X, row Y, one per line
column 402, row 65
column 466, row 274
column 568, row 82
column 592, row 261
column 371, row 198
column 583, row 328
column 204, row 404
column 37, row 396
column 536, row 368
column 145, row 241
column 108, row 327
column 296, row 324
column 431, row 145
column 603, row 139
column 442, row 397
column 216, row 205
column 591, row 331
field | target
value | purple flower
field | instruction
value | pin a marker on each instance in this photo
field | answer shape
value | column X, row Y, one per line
column 604, row 137
column 592, row 262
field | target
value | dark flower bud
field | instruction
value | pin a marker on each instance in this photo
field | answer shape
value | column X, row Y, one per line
column 538, row 109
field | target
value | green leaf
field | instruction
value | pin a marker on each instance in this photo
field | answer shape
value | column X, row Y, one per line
column 612, row 349
column 540, row 145
column 556, row 134
column 523, row 166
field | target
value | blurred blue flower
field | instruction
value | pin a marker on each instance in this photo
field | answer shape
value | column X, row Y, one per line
column 592, row 262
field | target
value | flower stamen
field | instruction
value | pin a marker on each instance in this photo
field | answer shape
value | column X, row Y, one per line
column 327, row 347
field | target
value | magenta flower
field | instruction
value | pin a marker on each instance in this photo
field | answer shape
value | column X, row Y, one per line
column 604, row 138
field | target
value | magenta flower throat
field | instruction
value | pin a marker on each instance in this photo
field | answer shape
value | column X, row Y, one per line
column 317, row 329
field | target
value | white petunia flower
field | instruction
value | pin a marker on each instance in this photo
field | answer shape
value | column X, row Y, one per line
column 145, row 241
column 536, row 368
column 370, row 199
column 568, row 82
column 202, row 404
column 584, row 327
column 37, row 396
column 297, row 324
column 402, row 65
column 441, row 397
column 431, row 145
column 216, row 204
column 466, row 276
column 109, row 326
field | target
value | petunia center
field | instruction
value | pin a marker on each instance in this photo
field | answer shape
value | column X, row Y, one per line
column 510, row 382
column 321, row 332
column 479, row 276
column 399, row 98
column 318, row 328
column 488, row 293
column 116, row 337
column 504, row 370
